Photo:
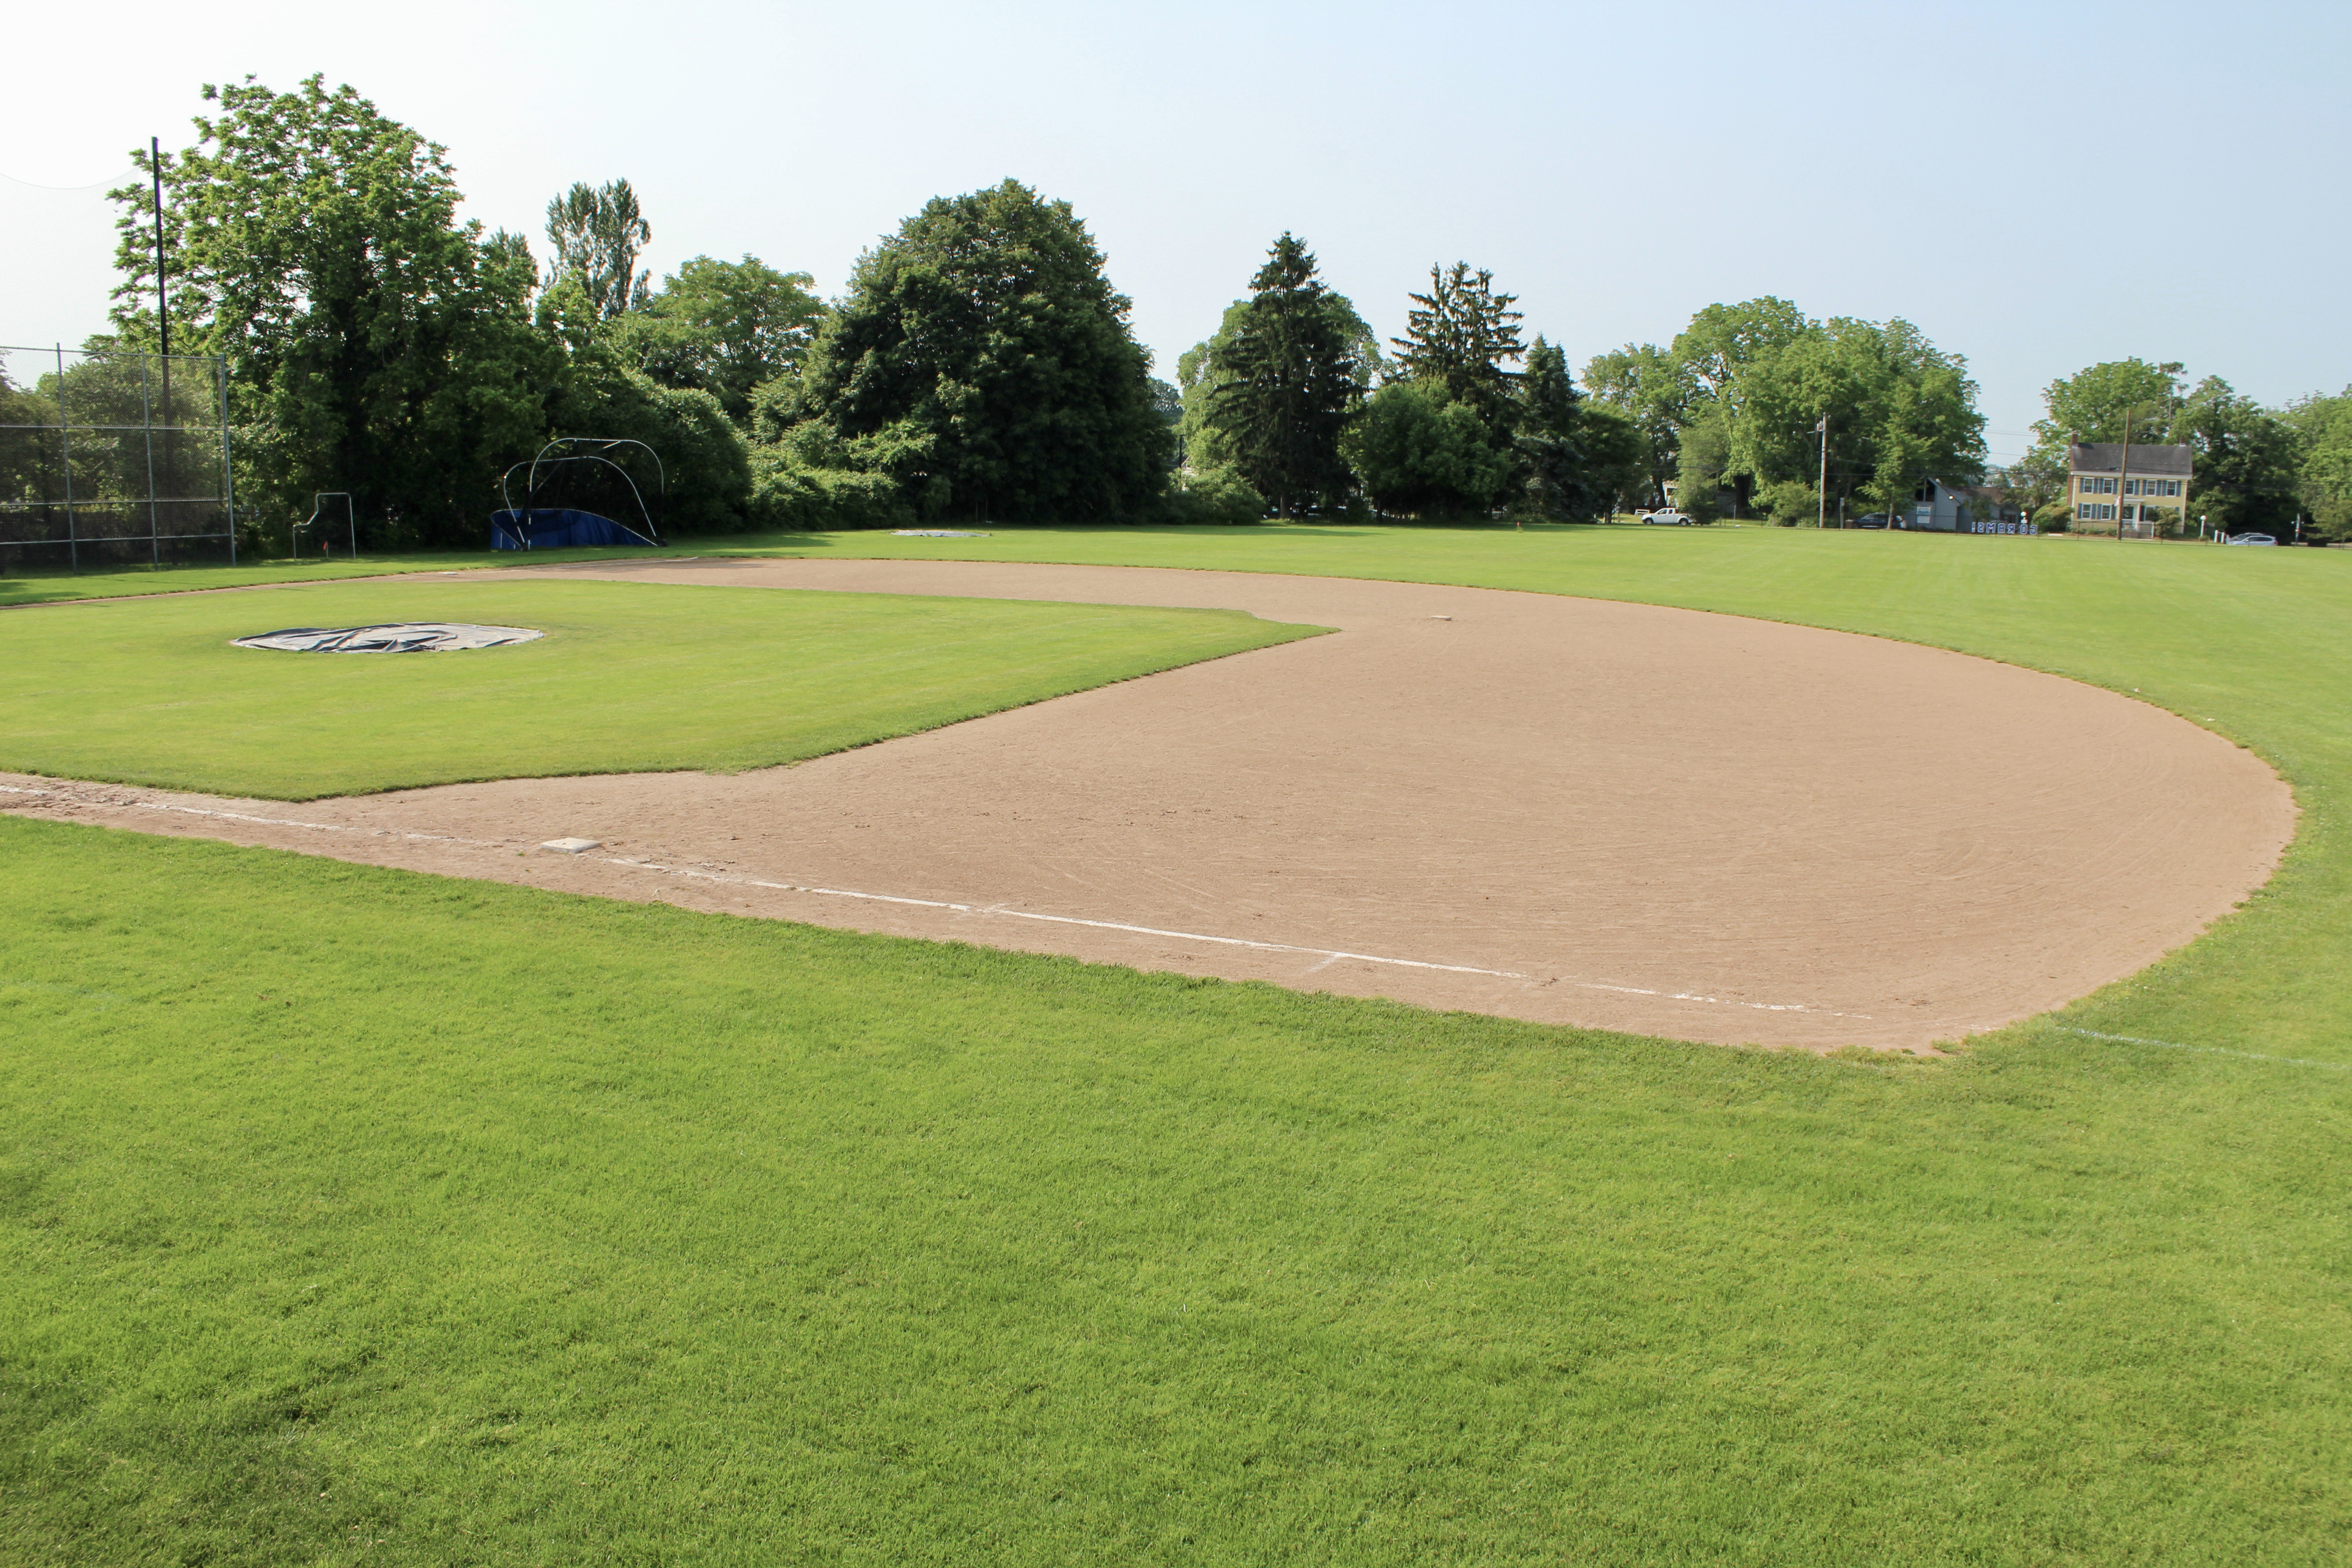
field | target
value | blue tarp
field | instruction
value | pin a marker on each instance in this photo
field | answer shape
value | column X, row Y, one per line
column 553, row 528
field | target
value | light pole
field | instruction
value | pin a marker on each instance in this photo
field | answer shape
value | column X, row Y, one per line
column 1821, row 518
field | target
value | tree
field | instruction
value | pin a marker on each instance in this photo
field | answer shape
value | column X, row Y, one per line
column 2324, row 427
column 1459, row 337
column 983, row 360
column 1418, row 452
column 722, row 327
column 1722, row 340
column 2248, row 461
column 1617, row 458
column 1645, row 385
column 1202, row 369
column 1291, row 382
column 1900, row 412
column 1169, row 405
column 2033, row 483
column 1554, row 442
column 597, row 231
column 374, row 345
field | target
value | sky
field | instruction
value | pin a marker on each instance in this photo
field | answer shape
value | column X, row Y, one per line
column 2038, row 186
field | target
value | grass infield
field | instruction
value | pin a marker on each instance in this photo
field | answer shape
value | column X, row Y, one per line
column 354, row 1215
column 629, row 677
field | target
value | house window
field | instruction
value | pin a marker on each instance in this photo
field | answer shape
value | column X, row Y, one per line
column 2172, row 487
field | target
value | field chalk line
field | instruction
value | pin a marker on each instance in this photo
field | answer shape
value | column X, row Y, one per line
column 2209, row 1050
column 1328, row 955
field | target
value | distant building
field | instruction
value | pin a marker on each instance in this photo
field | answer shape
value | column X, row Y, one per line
column 1940, row 508
column 2153, row 493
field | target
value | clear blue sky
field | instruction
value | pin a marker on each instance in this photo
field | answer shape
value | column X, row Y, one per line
column 2038, row 186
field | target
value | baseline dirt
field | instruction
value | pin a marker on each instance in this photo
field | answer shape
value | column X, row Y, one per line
column 1565, row 810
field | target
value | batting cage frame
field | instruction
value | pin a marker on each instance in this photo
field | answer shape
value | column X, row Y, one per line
column 110, row 456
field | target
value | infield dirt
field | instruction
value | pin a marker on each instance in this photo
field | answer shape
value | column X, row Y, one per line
column 1566, row 810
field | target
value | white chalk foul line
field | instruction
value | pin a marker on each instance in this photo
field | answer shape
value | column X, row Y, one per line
column 2210, row 1050
column 1328, row 955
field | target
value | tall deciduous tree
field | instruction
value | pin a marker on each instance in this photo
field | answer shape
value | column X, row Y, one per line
column 2325, row 425
column 1900, row 411
column 1653, row 392
column 723, row 327
column 1291, row 383
column 1461, row 336
column 1418, row 452
column 374, row 345
column 984, row 359
column 597, row 232
column 2092, row 404
column 2248, row 462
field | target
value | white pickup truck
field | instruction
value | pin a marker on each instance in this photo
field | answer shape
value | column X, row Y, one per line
column 1666, row 517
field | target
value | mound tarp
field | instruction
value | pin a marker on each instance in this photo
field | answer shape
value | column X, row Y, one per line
column 557, row 527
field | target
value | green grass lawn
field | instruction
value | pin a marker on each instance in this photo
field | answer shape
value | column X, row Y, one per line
column 629, row 676
column 350, row 1215
column 49, row 586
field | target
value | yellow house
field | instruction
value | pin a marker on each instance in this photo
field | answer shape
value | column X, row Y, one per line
column 2152, row 494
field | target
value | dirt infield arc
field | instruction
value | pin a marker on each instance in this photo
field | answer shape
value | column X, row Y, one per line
column 1572, row 811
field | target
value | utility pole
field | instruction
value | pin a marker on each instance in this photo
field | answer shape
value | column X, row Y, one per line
column 164, row 319
column 2123, row 476
column 1822, row 520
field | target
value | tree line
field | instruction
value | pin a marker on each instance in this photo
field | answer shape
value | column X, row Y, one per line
column 980, row 366
column 2254, row 469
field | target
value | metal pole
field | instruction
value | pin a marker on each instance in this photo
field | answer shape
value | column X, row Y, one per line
column 1822, row 519
column 147, row 417
column 228, row 483
column 162, row 316
column 65, row 445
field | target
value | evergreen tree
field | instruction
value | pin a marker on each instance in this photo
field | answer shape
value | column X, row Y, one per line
column 1459, row 336
column 983, row 360
column 1292, row 382
column 1553, row 439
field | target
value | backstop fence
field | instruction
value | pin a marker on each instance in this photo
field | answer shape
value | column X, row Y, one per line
column 112, row 456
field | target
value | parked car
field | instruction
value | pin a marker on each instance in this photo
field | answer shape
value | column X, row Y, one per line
column 1872, row 519
column 2248, row 539
column 1666, row 517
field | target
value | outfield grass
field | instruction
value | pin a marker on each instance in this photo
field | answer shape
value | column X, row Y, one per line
column 51, row 587
column 354, row 1215
column 629, row 677
column 359, row 1217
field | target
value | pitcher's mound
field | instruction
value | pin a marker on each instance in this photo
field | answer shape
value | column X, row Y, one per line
column 406, row 637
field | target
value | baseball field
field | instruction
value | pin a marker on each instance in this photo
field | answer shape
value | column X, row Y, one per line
column 425, row 1196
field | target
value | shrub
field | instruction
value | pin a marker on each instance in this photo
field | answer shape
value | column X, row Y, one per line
column 1414, row 451
column 1218, row 496
column 789, row 498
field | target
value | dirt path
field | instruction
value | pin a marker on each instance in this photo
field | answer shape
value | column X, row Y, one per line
column 1566, row 810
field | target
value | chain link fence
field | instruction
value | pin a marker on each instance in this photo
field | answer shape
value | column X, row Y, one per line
column 111, row 458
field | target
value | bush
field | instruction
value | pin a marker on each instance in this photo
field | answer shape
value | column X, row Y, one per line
column 2054, row 518
column 1215, row 496
column 1414, row 451
column 1790, row 503
column 789, row 498
column 705, row 463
